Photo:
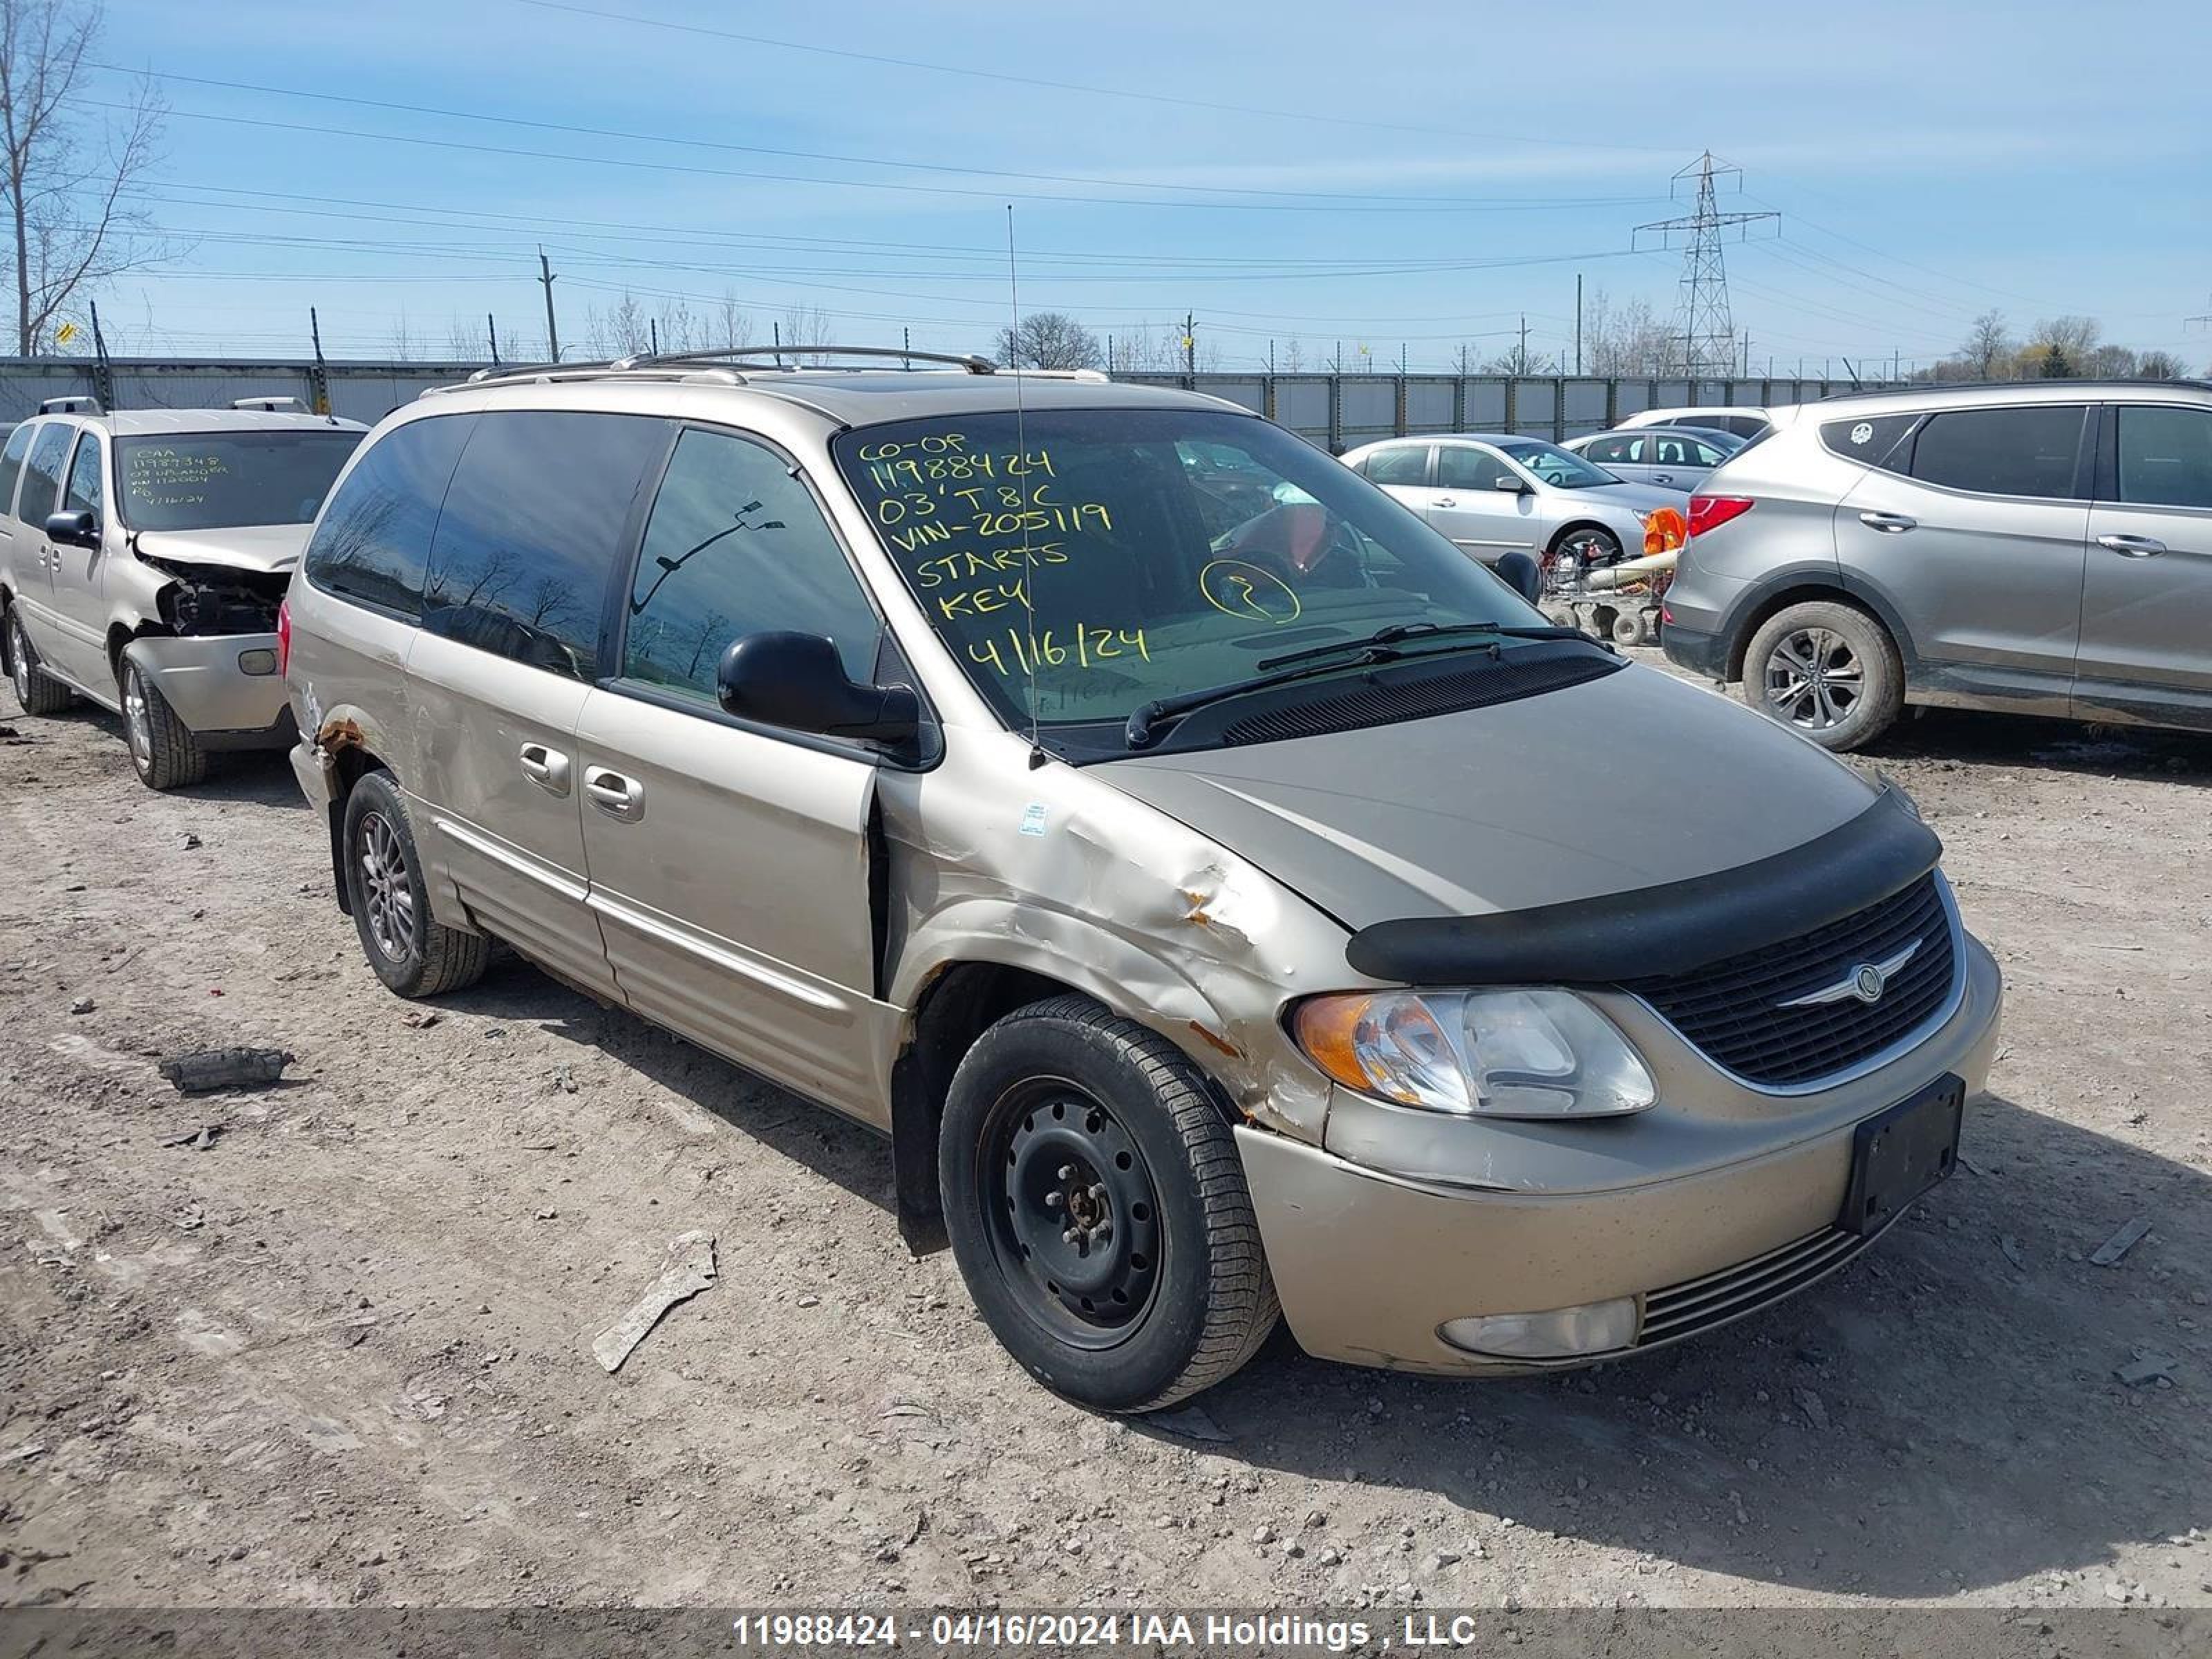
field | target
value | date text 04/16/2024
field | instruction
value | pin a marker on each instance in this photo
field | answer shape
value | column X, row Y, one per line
column 1078, row 1632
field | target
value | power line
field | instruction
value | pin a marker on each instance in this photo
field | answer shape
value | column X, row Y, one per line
column 1501, row 203
column 1091, row 90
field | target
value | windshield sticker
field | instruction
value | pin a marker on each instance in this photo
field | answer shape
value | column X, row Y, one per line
column 1033, row 818
column 166, row 477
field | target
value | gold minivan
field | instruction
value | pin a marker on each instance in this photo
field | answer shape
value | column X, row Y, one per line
column 1195, row 865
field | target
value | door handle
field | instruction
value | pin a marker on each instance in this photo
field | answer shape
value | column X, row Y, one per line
column 1446, row 501
column 613, row 793
column 1890, row 523
column 1662, row 478
column 546, row 768
column 2132, row 547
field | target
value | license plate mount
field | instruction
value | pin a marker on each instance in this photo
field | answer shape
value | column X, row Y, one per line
column 1898, row 1154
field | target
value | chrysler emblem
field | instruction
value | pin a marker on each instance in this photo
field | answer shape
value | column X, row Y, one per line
column 1865, row 982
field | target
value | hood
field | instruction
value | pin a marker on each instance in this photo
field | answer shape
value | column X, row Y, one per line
column 1636, row 497
column 1630, row 781
column 266, row 548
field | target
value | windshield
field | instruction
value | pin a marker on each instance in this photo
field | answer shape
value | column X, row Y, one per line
column 1169, row 551
column 221, row 480
column 1558, row 467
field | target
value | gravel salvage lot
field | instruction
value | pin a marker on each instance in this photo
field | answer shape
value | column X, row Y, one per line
column 342, row 1353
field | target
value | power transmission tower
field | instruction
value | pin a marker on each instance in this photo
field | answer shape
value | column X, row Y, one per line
column 2206, row 319
column 1708, row 334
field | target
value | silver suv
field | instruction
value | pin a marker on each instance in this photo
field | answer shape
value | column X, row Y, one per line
column 1193, row 863
column 143, row 555
column 2045, row 548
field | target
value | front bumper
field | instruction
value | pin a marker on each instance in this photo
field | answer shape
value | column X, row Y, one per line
column 1370, row 1264
column 203, row 682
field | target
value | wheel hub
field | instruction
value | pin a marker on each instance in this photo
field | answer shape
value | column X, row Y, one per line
column 1081, row 1220
column 1814, row 679
column 135, row 712
column 390, row 901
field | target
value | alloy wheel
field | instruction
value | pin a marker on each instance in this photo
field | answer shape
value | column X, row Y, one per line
column 136, row 716
column 19, row 659
column 1814, row 679
column 388, row 894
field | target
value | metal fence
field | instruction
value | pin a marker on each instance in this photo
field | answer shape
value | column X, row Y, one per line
column 1335, row 411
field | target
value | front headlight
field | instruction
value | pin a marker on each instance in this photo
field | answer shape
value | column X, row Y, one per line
column 1525, row 1054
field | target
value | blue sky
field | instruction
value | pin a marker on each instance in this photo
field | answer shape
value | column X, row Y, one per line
column 1409, row 174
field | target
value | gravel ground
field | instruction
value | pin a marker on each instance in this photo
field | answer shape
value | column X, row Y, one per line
column 341, row 1354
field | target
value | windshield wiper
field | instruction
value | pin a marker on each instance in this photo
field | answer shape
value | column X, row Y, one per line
column 1376, row 645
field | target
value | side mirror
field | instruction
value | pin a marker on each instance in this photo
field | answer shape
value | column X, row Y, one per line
column 1510, row 485
column 73, row 529
column 1519, row 571
column 797, row 680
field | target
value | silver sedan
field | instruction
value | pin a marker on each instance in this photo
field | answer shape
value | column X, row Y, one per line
column 1493, row 493
column 1675, row 457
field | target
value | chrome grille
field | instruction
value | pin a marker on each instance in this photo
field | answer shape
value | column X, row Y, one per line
column 1732, row 1009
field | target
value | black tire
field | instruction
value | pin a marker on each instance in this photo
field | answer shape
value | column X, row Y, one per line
column 1828, row 671
column 37, row 693
column 163, row 749
column 1630, row 628
column 1063, row 1111
column 412, row 953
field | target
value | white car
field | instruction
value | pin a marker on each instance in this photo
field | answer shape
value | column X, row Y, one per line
column 1494, row 493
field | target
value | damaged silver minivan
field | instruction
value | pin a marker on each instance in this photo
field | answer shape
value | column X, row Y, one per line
column 1198, row 867
column 143, row 555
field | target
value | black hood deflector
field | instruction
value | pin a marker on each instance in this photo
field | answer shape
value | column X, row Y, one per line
column 1670, row 929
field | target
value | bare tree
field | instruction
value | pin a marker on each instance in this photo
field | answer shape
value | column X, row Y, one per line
column 1629, row 339
column 1049, row 339
column 733, row 324
column 1989, row 349
column 1293, row 355
column 403, row 340
column 2159, row 366
column 621, row 329
column 68, row 188
column 801, row 326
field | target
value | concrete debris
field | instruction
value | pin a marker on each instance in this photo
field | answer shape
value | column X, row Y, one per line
column 82, row 1006
column 421, row 1019
column 226, row 1068
column 1815, row 1412
column 2147, row 1367
column 687, row 1269
column 2108, row 1253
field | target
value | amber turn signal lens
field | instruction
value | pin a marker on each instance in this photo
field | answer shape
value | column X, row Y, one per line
column 1325, row 1028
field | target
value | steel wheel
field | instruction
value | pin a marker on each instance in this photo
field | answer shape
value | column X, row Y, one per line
column 390, row 894
column 1814, row 680
column 137, row 718
column 1077, row 1215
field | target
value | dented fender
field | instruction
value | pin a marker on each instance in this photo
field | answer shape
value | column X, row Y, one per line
column 1055, row 871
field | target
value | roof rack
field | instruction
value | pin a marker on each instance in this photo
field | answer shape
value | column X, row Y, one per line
column 2102, row 383
column 704, row 365
column 76, row 404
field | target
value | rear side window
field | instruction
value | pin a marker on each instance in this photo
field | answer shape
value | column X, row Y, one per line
column 87, row 492
column 532, row 531
column 11, row 462
column 1881, row 441
column 42, row 485
column 1607, row 451
column 1408, row 464
column 2029, row 449
column 373, row 539
column 2166, row 456
column 736, row 545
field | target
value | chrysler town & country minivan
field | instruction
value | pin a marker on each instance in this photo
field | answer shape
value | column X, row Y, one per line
column 1185, row 855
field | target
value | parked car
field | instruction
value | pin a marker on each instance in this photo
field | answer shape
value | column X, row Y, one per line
column 143, row 555
column 1213, row 916
column 2043, row 547
column 1744, row 422
column 1493, row 493
column 1672, row 457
